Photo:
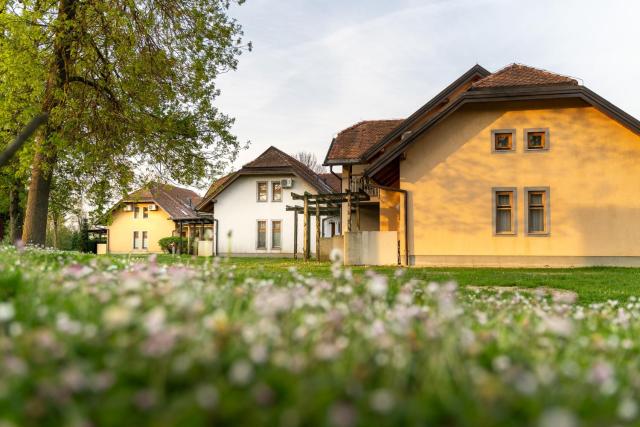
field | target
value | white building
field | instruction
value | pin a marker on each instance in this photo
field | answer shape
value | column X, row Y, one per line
column 249, row 206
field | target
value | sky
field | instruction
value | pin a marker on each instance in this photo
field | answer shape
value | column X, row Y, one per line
column 319, row 66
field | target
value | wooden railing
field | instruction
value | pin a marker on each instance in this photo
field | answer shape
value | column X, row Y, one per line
column 360, row 184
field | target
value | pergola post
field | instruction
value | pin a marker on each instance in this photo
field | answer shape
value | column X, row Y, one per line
column 317, row 231
column 180, row 239
column 295, row 234
column 306, row 249
column 349, row 210
column 357, row 215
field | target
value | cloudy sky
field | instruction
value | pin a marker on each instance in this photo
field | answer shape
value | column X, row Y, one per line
column 319, row 66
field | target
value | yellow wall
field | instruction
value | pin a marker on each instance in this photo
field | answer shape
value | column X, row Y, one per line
column 592, row 169
column 158, row 225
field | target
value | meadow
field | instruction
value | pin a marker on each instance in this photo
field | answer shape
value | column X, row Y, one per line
column 166, row 341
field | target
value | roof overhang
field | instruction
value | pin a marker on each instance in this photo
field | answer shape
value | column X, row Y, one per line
column 509, row 94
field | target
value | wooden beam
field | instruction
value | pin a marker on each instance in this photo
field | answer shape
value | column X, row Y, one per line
column 357, row 216
column 317, row 231
column 305, row 246
column 295, row 234
column 348, row 210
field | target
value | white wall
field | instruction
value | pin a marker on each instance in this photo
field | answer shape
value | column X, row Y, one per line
column 238, row 211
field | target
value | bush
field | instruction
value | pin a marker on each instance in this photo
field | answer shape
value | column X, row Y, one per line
column 167, row 243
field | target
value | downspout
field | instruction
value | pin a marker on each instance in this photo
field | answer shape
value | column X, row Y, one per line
column 339, row 178
column 215, row 224
column 405, row 194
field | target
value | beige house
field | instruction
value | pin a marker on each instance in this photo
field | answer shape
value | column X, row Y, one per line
column 521, row 167
column 151, row 213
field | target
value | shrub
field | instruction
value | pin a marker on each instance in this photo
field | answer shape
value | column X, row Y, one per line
column 167, row 243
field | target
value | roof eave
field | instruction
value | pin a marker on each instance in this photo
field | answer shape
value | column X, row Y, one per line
column 512, row 94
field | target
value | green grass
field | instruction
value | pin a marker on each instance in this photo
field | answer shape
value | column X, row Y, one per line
column 592, row 284
column 183, row 341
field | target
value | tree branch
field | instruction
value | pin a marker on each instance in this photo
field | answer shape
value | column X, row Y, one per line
column 98, row 87
column 22, row 138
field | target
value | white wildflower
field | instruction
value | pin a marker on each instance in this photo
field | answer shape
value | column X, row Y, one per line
column 116, row 316
column 378, row 285
column 207, row 396
column 382, row 401
column 6, row 311
column 558, row 417
column 241, row 372
column 154, row 320
column 627, row 409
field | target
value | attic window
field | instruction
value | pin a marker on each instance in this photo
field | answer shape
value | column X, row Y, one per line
column 502, row 140
column 536, row 139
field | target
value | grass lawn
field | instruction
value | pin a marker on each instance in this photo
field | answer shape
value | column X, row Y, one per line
column 592, row 284
column 179, row 341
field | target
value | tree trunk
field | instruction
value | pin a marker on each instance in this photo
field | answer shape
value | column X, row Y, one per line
column 44, row 161
column 55, row 223
column 35, row 221
column 15, row 212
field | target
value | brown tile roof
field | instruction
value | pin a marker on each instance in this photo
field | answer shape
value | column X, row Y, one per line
column 333, row 181
column 271, row 160
column 515, row 75
column 178, row 202
column 351, row 143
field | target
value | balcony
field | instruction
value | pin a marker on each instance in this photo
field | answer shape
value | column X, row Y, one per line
column 360, row 184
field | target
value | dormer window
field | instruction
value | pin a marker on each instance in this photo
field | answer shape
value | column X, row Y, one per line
column 536, row 139
column 502, row 140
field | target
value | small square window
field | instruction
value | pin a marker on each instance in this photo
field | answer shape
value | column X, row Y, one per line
column 502, row 140
column 276, row 191
column 262, row 192
column 536, row 139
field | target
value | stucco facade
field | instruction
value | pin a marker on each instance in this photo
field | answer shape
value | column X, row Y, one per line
column 591, row 171
column 237, row 211
column 123, row 225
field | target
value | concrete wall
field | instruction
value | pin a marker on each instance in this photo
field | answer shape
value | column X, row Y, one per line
column 327, row 245
column 123, row 224
column 591, row 170
column 371, row 248
column 238, row 212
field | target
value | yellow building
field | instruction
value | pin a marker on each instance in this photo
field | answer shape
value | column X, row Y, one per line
column 141, row 219
column 522, row 167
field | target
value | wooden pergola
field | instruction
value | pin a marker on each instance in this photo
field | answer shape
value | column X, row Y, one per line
column 324, row 205
column 201, row 220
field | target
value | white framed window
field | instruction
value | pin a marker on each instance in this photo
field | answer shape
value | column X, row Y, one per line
column 136, row 240
column 537, row 211
column 262, row 189
column 276, row 191
column 145, row 212
column 145, row 240
column 136, row 212
column 276, row 234
column 261, row 238
column 504, row 211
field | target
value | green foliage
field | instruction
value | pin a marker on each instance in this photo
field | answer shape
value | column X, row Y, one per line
column 168, row 243
column 137, row 88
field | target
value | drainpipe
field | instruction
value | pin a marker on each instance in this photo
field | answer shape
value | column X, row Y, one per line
column 340, row 178
column 406, row 215
column 215, row 224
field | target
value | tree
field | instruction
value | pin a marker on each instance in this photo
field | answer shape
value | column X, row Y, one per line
column 125, row 83
column 311, row 161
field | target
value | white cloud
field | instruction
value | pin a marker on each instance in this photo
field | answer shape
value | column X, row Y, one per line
column 318, row 67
